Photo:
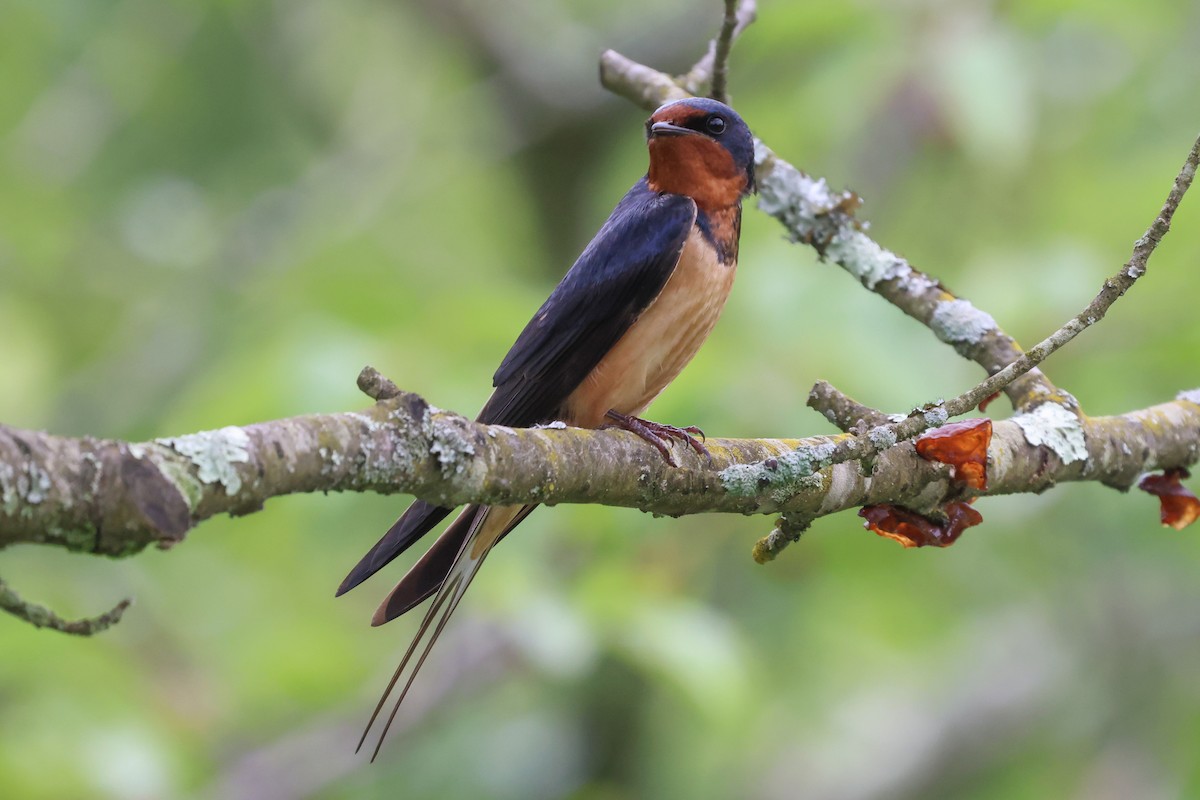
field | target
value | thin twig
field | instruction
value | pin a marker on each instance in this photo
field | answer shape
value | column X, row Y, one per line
column 1112, row 289
column 711, row 71
column 884, row 436
column 840, row 409
column 730, row 27
column 42, row 617
column 788, row 530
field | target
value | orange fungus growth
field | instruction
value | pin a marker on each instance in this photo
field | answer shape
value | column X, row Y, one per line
column 914, row 530
column 962, row 445
column 1180, row 507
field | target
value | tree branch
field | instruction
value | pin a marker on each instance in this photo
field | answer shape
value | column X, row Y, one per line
column 42, row 617
column 115, row 498
column 712, row 70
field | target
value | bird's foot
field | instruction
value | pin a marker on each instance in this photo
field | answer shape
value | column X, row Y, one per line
column 660, row 435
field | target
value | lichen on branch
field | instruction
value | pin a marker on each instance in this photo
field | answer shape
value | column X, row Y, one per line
column 115, row 498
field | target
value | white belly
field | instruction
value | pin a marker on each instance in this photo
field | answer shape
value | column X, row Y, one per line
column 660, row 343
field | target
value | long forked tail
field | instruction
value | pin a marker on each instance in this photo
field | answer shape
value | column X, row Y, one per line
column 419, row 519
column 489, row 525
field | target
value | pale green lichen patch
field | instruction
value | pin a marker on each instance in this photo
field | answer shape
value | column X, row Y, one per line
column 786, row 193
column 403, row 461
column 882, row 437
column 814, row 213
column 374, row 467
column 916, row 283
column 1055, row 427
column 794, row 198
column 369, row 425
column 780, row 477
column 936, row 417
column 410, row 425
column 451, row 446
column 863, row 258
column 955, row 321
column 22, row 488
column 214, row 454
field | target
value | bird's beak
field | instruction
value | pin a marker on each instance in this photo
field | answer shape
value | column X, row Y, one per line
column 669, row 129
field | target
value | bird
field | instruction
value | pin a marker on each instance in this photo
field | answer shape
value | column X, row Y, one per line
column 624, row 321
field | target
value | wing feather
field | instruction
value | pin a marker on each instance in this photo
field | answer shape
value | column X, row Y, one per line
column 612, row 282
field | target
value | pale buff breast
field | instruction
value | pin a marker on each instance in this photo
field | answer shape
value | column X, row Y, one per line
column 660, row 343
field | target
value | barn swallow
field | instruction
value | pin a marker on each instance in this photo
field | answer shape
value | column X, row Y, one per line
column 625, row 320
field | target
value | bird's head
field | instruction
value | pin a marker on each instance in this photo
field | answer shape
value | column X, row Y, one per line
column 702, row 149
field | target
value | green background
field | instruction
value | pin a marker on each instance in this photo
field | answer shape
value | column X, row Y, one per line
column 216, row 213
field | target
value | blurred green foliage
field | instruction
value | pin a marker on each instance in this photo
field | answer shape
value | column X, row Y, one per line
column 216, row 213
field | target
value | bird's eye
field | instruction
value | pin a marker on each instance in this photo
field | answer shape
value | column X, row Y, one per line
column 715, row 125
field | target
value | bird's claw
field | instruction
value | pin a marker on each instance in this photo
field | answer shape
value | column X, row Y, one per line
column 659, row 435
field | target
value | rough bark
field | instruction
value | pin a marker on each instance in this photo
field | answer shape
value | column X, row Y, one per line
column 115, row 498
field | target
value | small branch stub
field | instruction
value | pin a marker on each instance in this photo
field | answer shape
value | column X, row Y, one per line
column 788, row 529
column 374, row 385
